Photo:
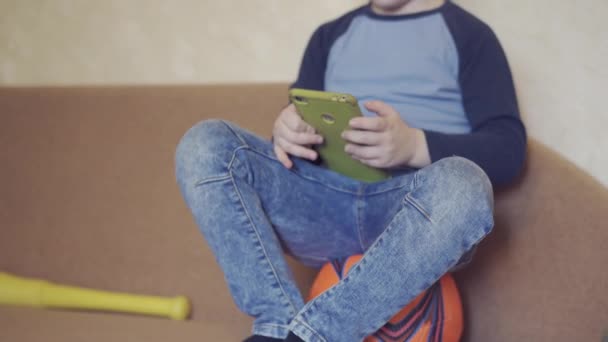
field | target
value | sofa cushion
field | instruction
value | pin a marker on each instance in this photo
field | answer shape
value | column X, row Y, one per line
column 89, row 199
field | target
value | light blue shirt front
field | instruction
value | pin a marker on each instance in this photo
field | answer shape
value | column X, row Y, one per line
column 443, row 70
column 410, row 63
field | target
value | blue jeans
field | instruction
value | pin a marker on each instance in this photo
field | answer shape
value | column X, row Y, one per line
column 412, row 229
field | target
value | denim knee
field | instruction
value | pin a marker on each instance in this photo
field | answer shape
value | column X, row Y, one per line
column 473, row 190
column 205, row 151
column 457, row 190
column 466, row 179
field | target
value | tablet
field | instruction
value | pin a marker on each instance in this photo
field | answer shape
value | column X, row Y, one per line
column 329, row 113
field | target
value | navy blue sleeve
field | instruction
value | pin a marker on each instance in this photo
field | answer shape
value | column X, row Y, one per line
column 497, row 142
column 312, row 69
column 314, row 62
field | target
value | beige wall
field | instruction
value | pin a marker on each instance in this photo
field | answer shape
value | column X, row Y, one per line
column 156, row 41
column 557, row 51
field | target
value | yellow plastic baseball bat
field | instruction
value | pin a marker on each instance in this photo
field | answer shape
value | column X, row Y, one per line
column 41, row 293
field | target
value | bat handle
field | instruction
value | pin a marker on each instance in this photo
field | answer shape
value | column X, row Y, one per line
column 40, row 293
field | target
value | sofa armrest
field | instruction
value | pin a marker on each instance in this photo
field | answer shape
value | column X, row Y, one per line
column 541, row 275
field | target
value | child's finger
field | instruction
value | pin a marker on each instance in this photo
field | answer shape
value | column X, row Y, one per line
column 283, row 157
column 376, row 124
column 304, row 138
column 362, row 137
column 363, row 152
column 294, row 122
column 296, row 150
column 380, row 108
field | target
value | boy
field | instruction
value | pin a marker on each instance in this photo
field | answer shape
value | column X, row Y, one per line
column 440, row 114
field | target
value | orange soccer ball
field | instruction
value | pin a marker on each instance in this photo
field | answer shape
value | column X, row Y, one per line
column 434, row 316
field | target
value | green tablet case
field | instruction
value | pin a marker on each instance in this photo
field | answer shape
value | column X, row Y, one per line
column 329, row 114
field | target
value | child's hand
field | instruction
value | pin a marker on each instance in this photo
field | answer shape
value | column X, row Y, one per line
column 385, row 141
column 291, row 135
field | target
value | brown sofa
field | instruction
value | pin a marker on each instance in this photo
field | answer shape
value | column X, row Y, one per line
column 88, row 198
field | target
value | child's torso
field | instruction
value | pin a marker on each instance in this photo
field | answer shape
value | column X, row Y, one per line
column 411, row 64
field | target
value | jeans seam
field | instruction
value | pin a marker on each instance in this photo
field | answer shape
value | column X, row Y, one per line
column 354, row 270
column 272, row 325
column 235, row 133
column 257, row 234
column 234, row 157
column 222, row 177
column 310, row 329
column 358, row 218
column 211, row 180
column 310, row 179
column 379, row 192
column 415, row 185
column 269, row 328
column 314, row 258
column 272, row 157
column 409, row 199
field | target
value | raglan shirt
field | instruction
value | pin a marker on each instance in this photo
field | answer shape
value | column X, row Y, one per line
column 443, row 70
